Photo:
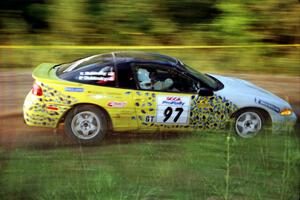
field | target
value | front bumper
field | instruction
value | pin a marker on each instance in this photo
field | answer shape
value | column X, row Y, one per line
column 284, row 123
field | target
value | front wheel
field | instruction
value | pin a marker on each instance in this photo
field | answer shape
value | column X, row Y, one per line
column 249, row 123
column 86, row 124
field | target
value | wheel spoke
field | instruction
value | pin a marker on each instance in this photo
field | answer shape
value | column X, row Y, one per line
column 80, row 118
column 241, row 124
column 248, row 117
column 93, row 127
column 85, row 132
column 253, row 128
column 244, row 131
column 77, row 127
column 90, row 118
column 255, row 121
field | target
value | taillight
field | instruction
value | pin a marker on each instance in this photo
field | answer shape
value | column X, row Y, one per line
column 37, row 90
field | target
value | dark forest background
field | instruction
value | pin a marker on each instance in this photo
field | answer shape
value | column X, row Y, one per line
column 157, row 22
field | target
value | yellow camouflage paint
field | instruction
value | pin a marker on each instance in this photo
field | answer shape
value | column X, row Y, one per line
column 204, row 112
column 127, row 109
column 36, row 110
column 117, row 102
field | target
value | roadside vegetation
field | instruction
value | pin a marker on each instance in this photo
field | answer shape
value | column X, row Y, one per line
column 201, row 165
column 168, row 22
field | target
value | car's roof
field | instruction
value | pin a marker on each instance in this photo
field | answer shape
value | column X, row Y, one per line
column 123, row 56
column 120, row 57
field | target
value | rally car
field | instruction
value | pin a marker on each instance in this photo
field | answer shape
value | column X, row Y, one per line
column 146, row 92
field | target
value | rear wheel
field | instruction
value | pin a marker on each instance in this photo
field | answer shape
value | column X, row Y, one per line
column 86, row 124
column 249, row 123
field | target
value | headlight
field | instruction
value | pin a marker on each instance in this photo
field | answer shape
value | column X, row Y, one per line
column 286, row 112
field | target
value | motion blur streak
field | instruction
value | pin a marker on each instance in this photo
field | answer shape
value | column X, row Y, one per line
column 225, row 35
column 143, row 47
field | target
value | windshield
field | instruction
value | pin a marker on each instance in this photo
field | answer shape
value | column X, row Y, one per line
column 205, row 78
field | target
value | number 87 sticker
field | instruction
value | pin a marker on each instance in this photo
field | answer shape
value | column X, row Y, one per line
column 172, row 109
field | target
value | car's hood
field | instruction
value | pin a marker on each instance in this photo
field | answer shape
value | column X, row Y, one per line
column 244, row 92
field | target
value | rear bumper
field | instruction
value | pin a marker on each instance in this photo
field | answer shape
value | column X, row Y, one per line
column 48, row 109
column 36, row 112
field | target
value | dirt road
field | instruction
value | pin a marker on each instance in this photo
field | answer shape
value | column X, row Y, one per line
column 15, row 85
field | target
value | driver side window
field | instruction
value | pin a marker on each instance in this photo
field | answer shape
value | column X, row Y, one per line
column 158, row 79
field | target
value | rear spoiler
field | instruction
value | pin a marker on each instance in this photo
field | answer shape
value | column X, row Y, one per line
column 44, row 71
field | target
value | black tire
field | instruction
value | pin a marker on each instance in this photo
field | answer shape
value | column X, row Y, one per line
column 249, row 122
column 86, row 124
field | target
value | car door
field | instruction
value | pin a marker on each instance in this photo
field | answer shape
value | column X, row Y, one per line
column 124, row 104
column 163, row 104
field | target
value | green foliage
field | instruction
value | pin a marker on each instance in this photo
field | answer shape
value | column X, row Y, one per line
column 234, row 24
column 206, row 165
column 142, row 22
column 188, row 12
column 169, row 22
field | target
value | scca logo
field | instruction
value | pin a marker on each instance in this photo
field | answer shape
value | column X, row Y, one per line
column 173, row 99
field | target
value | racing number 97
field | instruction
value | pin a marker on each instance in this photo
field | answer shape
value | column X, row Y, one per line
column 168, row 113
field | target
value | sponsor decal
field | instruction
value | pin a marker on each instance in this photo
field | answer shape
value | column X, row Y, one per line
column 116, row 104
column 73, row 89
column 173, row 101
column 97, row 96
column 149, row 119
column 268, row 105
column 52, row 108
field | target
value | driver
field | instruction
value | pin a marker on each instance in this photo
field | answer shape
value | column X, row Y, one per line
column 144, row 79
column 148, row 80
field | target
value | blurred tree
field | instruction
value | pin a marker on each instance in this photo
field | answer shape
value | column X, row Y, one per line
column 234, row 25
column 20, row 17
column 156, row 22
column 68, row 21
column 151, row 22
column 188, row 12
column 36, row 16
column 131, row 22
column 278, row 21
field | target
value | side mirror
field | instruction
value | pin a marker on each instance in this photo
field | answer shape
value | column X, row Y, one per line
column 205, row 92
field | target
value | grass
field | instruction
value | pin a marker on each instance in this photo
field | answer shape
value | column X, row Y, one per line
column 202, row 165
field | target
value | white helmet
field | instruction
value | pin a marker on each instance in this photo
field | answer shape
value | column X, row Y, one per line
column 144, row 79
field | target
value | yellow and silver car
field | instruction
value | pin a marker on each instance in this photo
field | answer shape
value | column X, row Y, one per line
column 145, row 92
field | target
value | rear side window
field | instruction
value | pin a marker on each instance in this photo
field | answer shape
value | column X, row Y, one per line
column 100, row 60
column 97, row 73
